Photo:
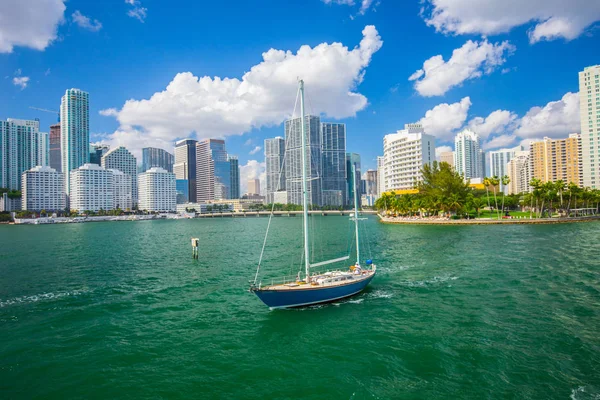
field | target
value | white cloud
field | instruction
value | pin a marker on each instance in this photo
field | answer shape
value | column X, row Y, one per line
column 444, row 119
column 21, row 81
column 29, row 23
column 499, row 142
column 252, row 170
column 208, row 107
column 248, row 142
column 556, row 119
column 441, row 149
column 47, row 72
column 497, row 122
column 109, row 112
column 255, row 150
column 138, row 12
column 85, row 22
column 552, row 18
column 470, row 61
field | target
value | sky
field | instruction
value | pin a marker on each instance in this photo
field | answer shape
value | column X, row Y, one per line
column 162, row 71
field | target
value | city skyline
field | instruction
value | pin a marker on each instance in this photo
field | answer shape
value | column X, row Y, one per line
column 480, row 94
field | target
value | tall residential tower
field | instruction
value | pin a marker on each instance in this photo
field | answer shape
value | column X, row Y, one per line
column 274, row 157
column 589, row 108
column 74, row 132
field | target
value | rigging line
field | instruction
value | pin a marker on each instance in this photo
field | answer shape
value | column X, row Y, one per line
column 262, row 251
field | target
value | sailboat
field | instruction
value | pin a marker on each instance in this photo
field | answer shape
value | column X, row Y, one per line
column 315, row 288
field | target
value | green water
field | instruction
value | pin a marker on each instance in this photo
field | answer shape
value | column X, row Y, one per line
column 120, row 310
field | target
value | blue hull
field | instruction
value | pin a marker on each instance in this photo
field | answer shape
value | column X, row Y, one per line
column 305, row 297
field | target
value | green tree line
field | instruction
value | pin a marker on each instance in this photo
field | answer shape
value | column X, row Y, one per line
column 444, row 192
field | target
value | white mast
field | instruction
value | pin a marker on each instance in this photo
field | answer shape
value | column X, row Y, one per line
column 304, row 188
column 356, row 213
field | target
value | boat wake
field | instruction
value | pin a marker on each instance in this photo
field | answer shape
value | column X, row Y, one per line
column 436, row 280
column 38, row 297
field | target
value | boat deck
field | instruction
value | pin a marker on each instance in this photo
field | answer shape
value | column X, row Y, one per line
column 329, row 279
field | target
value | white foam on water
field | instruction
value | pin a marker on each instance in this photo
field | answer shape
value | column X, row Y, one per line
column 380, row 294
column 429, row 282
column 38, row 297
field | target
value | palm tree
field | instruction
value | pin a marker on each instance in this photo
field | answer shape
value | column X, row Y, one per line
column 536, row 184
column 495, row 181
column 487, row 182
column 560, row 186
column 505, row 182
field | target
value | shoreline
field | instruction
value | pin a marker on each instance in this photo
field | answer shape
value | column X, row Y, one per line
column 512, row 221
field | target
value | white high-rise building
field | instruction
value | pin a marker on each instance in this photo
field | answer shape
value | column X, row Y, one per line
column 404, row 154
column 91, row 188
column 120, row 158
column 74, row 132
column 468, row 157
column 157, row 190
column 517, row 170
column 122, row 197
column 589, row 108
column 498, row 161
column 43, row 189
column 380, row 176
column 22, row 147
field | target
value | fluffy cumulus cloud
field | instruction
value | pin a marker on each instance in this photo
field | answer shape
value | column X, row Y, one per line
column 497, row 122
column 205, row 107
column 443, row 120
column 502, row 128
column 86, row 22
column 500, row 141
column 555, row 119
column 252, row 170
column 551, row 19
column 470, row 61
column 29, row 23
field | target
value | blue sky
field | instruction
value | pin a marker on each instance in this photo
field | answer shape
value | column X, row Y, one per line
column 512, row 74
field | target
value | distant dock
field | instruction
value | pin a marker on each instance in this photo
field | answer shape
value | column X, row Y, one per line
column 248, row 214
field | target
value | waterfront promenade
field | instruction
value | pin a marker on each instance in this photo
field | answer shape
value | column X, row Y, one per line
column 484, row 221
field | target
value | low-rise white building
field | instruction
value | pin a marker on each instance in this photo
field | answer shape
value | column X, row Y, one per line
column 42, row 188
column 122, row 196
column 157, row 190
column 404, row 154
column 91, row 188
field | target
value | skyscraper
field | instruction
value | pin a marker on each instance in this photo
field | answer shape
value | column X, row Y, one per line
column 405, row 153
column 274, row 156
column 293, row 164
column 153, row 157
column 254, row 186
column 74, row 132
column 97, row 151
column 54, row 157
column 517, row 170
column 468, row 157
column 498, row 163
column 122, row 198
column 333, row 145
column 557, row 159
column 22, row 147
column 213, row 171
column 185, row 165
column 235, row 176
column 589, row 108
column 380, row 176
column 353, row 159
column 120, row 158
